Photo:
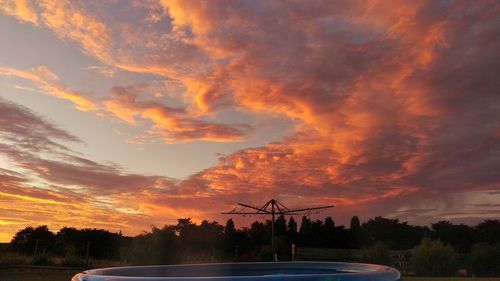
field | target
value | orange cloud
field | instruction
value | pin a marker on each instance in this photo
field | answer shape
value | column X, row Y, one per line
column 21, row 9
column 67, row 21
column 370, row 87
column 394, row 103
column 172, row 124
column 47, row 82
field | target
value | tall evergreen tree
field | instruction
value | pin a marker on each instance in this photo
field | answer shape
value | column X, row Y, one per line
column 356, row 237
column 291, row 231
column 292, row 226
column 229, row 229
column 329, row 223
column 305, row 226
column 280, row 225
column 305, row 232
column 355, row 222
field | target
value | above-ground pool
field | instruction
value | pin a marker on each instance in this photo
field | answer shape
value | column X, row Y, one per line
column 265, row 271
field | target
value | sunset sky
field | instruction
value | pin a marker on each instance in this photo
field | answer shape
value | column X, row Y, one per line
column 125, row 114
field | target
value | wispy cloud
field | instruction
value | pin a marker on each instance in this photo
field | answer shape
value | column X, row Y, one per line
column 106, row 71
column 49, row 183
column 48, row 82
column 27, row 131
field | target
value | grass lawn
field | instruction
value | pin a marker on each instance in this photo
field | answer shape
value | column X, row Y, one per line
column 451, row 279
column 43, row 274
column 36, row 274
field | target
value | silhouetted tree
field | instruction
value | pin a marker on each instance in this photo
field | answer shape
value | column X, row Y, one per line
column 305, row 232
column 341, row 237
column 281, row 240
column 229, row 229
column 260, row 240
column 391, row 231
column 280, row 226
column 356, row 234
column 229, row 240
column 186, row 230
column 259, row 236
column 243, row 249
column 209, row 241
column 329, row 233
column 160, row 246
column 292, row 230
column 29, row 239
column 200, row 243
column 210, row 237
column 69, row 242
column 292, row 225
column 355, row 222
column 461, row 236
column 329, row 224
column 488, row 231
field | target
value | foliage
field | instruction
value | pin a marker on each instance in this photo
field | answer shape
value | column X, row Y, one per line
column 484, row 259
column 73, row 261
column 209, row 241
column 357, row 235
column 379, row 253
column 160, row 246
column 291, row 230
column 305, row 230
column 280, row 225
column 355, row 222
column 488, row 231
column 42, row 259
column 398, row 235
column 34, row 240
column 100, row 244
column 433, row 258
column 460, row 236
column 229, row 229
column 12, row 259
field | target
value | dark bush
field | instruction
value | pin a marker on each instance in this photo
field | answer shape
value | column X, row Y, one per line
column 484, row 259
column 73, row 261
column 42, row 259
column 160, row 246
column 12, row 259
column 379, row 253
column 433, row 258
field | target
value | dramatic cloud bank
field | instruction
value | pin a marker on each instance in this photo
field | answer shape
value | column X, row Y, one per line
column 394, row 104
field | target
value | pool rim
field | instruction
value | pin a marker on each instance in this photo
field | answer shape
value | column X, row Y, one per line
column 349, row 271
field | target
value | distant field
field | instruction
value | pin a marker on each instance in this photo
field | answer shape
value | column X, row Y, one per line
column 41, row 274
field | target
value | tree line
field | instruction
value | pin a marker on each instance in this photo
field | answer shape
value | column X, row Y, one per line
column 209, row 241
